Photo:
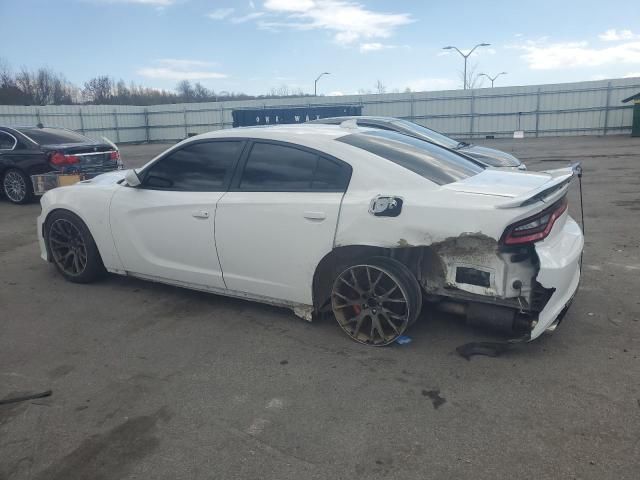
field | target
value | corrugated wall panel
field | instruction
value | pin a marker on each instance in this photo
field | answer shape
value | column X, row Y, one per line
column 557, row 109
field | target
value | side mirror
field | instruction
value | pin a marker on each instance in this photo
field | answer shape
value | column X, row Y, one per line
column 132, row 178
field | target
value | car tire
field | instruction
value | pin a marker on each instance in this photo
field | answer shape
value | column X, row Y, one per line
column 375, row 300
column 72, row 248
column 17, row 187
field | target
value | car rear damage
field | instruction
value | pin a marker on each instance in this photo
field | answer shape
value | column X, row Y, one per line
column 521, row 284
column 519, row 290
column 517, row 268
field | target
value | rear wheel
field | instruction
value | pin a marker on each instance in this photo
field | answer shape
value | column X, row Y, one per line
column 375, row 301
column 72, row 248
column 16, row 186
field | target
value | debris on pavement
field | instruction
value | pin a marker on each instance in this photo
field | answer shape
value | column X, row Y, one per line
column 490, row 349
column 24, row 398
column 435, row 397
column 403, row 340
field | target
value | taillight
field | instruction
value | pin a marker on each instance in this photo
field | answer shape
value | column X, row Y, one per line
column 60, row 159
column 114, row 155
column 535, row 228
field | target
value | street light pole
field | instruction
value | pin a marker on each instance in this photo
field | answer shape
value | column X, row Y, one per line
column 315, row 84
column 493, row 79
column 450, row 47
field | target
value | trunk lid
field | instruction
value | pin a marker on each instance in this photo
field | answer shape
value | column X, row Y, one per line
column 517, row 188
column 93, row 159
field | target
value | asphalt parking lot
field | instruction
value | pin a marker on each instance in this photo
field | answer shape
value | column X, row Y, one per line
column 156, row 382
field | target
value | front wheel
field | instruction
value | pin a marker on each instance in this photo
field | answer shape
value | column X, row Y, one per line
column 16, row 186
column 375, row 301
column 72, row 248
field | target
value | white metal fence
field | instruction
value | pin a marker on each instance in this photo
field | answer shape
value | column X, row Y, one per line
column 584, row 108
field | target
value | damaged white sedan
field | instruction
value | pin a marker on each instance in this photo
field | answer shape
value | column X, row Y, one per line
column 369, row 224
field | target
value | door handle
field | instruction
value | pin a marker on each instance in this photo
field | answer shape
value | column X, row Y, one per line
column 315, row 216
column 200, row 214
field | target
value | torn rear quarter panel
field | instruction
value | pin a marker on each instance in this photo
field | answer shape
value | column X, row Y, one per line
column 476, row 264
column 470, row 265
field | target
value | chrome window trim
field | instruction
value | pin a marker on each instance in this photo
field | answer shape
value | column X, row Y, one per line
column 90, row 153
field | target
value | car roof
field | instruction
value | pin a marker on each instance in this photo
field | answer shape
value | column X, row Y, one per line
column 368, row 118
column 302, row 134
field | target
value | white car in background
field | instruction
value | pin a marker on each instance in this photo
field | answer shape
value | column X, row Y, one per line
column 369, row 224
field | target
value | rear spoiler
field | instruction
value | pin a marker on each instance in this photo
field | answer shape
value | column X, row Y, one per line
column 551, row 191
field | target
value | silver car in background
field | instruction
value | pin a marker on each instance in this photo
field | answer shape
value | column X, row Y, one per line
column 488, row 156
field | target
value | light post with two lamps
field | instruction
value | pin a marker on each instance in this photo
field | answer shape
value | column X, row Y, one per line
column 493, row 79
column 450, row 47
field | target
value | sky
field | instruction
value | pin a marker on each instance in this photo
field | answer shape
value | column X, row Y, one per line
column 252, row 46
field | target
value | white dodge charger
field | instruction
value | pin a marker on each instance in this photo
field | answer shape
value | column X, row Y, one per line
column 368, row 224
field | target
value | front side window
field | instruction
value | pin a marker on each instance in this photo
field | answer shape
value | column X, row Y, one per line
column 272, row 167
column 198, row 167
column 428, row 160
column 7, row 142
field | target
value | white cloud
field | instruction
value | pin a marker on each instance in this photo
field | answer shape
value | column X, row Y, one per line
column 155, row 3
column 631, row 75
column 335, row 94
column 289, row 5
column 428, row 84
column 247, row 18
column 371, row 47
column 374, row 47
column 349, row 21
column 541, row 55
column 183, row 64
column 181, row 69
column 221, row 13
column 613, row 35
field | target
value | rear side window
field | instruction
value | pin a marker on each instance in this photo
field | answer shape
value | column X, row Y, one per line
column 53, row 136
column 430, row 161
column 7, row 142
column 198, row 167
column 272, row 167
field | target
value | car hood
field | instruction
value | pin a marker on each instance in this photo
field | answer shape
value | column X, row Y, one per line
column 501, row 183
column 491, row 156
column 108, row 178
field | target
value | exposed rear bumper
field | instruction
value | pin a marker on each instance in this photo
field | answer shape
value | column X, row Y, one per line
column 559, row 257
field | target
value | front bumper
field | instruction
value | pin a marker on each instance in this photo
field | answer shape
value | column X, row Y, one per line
column 559, row 256
column 41, row 243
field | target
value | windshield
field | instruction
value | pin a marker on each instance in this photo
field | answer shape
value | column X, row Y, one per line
column 51, row 136
column 428, row 134
column 430, row 161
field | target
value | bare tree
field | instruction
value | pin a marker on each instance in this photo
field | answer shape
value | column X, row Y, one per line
column 201, row 93
column 380, row 87
column 99, row 90
column 44, row 87
column 6, row 75
column 474, row 79
column 185, row 90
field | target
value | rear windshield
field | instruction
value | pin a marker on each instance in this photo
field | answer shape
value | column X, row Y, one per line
column 427, row 133
column 430, row 161
column 51, row 136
